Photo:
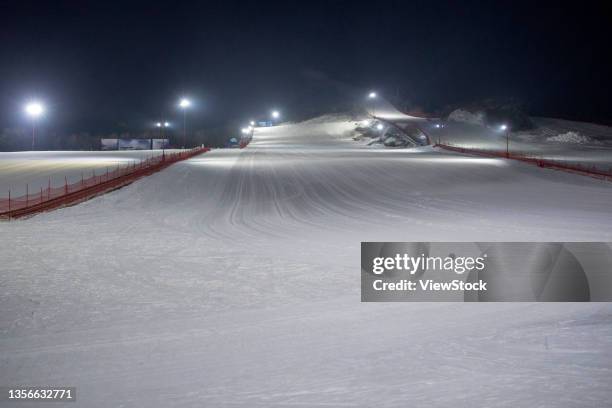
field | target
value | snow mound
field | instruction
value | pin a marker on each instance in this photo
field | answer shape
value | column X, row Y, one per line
column 571, row 137
column 460, row 115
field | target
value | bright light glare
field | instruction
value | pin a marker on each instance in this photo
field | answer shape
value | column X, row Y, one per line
column 166, row 124
column 34, row 109
column 158, row 124
column 380, row 126
column 366, row 122
column 503, row 127
column 185, row 103
column 252, row 123
column 438, row 125
column 275, row 114
column 372, row 95
column 245, row 130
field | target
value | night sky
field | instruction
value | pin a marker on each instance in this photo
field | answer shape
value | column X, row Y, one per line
column 101, row 66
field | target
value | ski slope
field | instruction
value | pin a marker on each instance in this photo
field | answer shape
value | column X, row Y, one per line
column 232, row 280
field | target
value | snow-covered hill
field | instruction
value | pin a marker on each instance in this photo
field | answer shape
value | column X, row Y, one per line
column 569, row 132
column 545, row 130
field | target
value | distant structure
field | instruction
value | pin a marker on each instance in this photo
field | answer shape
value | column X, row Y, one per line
column 134, row 144
column 233, row 142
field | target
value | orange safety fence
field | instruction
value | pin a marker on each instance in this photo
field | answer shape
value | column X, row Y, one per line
column 592, row 171
column 51, row 197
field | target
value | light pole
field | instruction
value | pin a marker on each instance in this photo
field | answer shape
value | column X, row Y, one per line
column 163, row 142
column 184, row 103
column 372, row 96
column 34, row 110
column 504, row 128
column 438, row 126
column 162, row 126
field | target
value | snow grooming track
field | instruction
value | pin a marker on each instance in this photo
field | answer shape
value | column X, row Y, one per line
column 232, row 280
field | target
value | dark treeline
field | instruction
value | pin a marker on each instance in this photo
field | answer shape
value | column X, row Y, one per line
column 19, row 139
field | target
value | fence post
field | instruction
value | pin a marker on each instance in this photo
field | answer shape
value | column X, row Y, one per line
column 27, row 194
column 82, row 180
column 41, row 194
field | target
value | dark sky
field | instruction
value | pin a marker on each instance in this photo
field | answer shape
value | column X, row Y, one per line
column 102, row 65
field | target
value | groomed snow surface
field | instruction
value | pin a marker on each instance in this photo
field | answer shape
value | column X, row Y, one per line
column 232, row 280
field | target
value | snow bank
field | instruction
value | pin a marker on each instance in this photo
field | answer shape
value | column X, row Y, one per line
column 568, row 132
column 571, row 137
column 460, row 115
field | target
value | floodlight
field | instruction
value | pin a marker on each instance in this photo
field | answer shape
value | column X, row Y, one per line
column 34, row 109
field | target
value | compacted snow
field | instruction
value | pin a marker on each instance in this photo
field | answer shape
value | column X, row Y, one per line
column 232, row 280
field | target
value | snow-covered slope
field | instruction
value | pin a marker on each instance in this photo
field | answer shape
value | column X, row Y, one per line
column 35, row 168
column 570, row 132
column 232, row 279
